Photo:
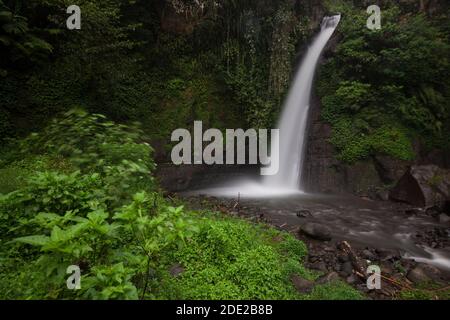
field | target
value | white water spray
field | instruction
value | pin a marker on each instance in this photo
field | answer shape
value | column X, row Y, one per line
column 294, row 117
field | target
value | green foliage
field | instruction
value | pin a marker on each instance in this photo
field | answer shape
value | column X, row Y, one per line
column 83, row 204
column 80, row 209
column 355, row 140
column 5, row 123
column 14, row 175
column 90, row 141
column 18, row 44
column 353, row 95
column 382, row 88
column 228, row 259
column 98, row 244
column 51, row 192
column 335, row 291
column 426, row 291
column 111, row 282
column 94, row 212
column 93, row 68
column 105, row 164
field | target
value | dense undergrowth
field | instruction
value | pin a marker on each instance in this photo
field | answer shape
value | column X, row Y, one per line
column 229, row 65
column 81, row 190
column 382, row 90
column 81, row 193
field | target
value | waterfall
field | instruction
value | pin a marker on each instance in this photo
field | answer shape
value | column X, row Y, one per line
column 292, row 125
column 294, row 117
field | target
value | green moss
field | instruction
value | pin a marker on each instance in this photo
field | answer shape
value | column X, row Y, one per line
column 233, row 259
column 14, row 175
column 353, row 144
column 337, row 290
column 425, row 294
column 379, row 89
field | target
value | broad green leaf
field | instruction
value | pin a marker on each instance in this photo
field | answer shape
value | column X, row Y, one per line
column 37, row 240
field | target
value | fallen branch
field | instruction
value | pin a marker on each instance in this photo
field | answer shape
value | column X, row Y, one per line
column 360, row 271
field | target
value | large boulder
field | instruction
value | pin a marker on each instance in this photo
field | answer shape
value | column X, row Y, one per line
column 316, row 231
column 423, row 186
column 324, row 173
column 390, row 169
column 302, row 285
column 425, row 273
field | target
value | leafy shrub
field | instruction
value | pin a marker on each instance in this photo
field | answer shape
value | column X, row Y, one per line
column 353, row 144
column 337, row 290
column 91, row 202
column 231, row 259
column 90, row 141
column 85, row 213
column 98, row 243
column 382, row 88
column 293, row 248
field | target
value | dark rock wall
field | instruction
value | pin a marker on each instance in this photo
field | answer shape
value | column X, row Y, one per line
column 177, row 178
column 323, row 172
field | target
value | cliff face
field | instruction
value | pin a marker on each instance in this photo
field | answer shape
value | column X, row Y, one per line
column 324, row 173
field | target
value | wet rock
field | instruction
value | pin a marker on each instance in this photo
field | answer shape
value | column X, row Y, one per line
column 437, row 237
column 424, row 273
column 414, row 211
column 431, row 272
column 387, row 254
column 352, row 279
column 176, row 269
column 330, row 277
column 343, row 258
column 316, row 231
column 347, row 268
column 319, row 265
column 382, row 195
column 432, row 211
column 329, row 249
column 444, row 218
column 363, row 287
column 418, row 275
column 387, row 269
column 313, row 258
column 389, row 168
column 323, row 172
column 303, row 213
column 369, row 255
column 302, row 285
column 423, row 186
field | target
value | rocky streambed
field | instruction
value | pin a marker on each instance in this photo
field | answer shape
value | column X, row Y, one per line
column 345, row 234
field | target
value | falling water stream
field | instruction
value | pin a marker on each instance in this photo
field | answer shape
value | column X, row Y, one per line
column 294, row 117
column 292, row 124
